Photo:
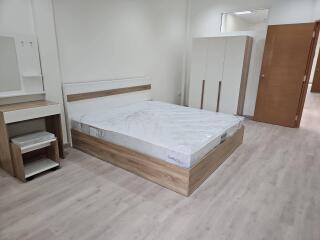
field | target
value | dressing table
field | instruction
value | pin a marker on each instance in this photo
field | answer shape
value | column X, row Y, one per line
column 26, row 111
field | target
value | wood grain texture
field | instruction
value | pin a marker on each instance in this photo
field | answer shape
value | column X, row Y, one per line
column 17, row 161
column 5, row 156
column 200, row 172
column 268, row 189
column 245, row 75
column 316, row 79
column 54, row 126
column 181, row 180
column 53, row 152
column 105, row 93
column 308, row 70
column 25, row 105
column 163, row 173
column 285, row 62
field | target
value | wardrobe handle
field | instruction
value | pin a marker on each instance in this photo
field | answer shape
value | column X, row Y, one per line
column 219, row 95
column 202, row 93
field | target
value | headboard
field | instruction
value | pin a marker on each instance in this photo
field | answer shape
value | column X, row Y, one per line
column 85, row 97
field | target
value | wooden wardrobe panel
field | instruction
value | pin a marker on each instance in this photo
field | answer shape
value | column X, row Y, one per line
column 198, row 70
column 221, row 62
column 232, row 72
column 214, row 71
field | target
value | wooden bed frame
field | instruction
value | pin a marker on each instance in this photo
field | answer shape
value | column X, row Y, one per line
column 181, row 180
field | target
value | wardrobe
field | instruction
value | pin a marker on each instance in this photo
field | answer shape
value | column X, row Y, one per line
column 219, row 73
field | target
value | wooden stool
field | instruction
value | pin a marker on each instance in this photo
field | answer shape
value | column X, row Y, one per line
column 31, row 144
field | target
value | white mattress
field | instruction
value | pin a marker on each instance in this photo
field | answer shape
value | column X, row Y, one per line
column 175, row 134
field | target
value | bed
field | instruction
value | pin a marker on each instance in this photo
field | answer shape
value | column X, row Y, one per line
column 174, row 146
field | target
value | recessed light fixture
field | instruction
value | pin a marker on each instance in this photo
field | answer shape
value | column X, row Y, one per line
column 243, row 12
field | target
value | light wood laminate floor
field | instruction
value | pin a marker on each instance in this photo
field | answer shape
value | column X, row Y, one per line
column 268, row 189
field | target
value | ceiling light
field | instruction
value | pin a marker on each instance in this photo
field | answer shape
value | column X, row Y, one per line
column 243, row 12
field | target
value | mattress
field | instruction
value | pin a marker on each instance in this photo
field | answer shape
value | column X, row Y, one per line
column 175, row 134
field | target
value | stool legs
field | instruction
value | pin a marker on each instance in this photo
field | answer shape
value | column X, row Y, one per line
column 17, row 162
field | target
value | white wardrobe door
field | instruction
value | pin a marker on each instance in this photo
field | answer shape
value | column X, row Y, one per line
column 232, row 73
column 198, row 69
column 214, row 72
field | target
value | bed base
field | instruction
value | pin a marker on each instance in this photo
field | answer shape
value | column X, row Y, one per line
column 181, row 180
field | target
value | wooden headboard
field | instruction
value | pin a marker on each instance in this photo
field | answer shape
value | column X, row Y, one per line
column 85, row 97
column 106, row 93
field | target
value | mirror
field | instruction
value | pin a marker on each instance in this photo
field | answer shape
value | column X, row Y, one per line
column 9, row 68
column 249, row 20
column 20, row 68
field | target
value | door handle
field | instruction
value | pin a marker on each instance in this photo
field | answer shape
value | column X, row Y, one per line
column 202, row 93
column 263, row 75
column 219, row 96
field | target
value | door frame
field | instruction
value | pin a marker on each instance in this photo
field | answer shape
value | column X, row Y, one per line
column 316, row 79
column 313, row 89
column 305, row 86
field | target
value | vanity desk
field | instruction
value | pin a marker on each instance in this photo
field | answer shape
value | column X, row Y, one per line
column 21, row 112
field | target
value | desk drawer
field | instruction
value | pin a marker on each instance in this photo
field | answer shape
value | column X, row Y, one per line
column 31, row 113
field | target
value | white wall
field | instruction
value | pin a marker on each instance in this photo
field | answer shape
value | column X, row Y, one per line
column 291, row 11
column 16, row 17
column 316, row 12
column 45, row 29
column 205, row 20
column 34, row 18
column 103, row 39
column 15, row 21
column 206, row 14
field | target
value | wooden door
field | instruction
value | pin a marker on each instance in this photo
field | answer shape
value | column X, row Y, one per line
column 284, row 73
column 316, row 80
